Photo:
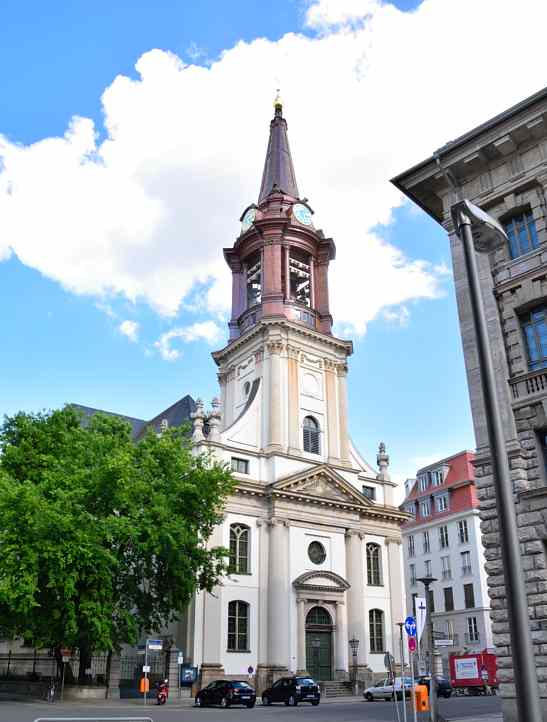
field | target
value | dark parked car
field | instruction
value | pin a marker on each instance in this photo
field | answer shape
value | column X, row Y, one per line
column 292, row 690
column 226, row 693
column 444, row 688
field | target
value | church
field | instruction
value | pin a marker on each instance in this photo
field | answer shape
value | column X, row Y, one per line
column 313, row 530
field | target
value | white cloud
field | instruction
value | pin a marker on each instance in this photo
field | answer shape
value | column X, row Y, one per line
column 203, row 331
column 130, row 329
column 145, row 212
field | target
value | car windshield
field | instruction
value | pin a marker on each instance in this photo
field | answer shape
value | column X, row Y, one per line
column 240, row 684
column 304, row 680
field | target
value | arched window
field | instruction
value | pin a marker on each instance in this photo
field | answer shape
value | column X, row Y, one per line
column 374, row 565
column 239, row 549
column 238, row 626
column 311, row 435
column 318, row 617
column 376, row 631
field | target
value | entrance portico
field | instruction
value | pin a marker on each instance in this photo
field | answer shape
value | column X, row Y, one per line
column 322, row 625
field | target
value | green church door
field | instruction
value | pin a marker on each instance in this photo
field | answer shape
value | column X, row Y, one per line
column 319, row 655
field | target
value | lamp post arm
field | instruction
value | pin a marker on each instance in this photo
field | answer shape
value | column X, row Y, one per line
column 527, row 689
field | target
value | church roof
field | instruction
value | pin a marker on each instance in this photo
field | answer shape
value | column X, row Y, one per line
column 175, row 415
column 278, row 171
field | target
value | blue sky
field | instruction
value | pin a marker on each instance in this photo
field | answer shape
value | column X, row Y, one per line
column 60, row 319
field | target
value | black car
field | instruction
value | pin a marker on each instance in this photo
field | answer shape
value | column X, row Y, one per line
column 225, row 693
column 292, row 690
column 444, row 688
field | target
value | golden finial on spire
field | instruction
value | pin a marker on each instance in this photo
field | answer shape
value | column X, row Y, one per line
column 278, row 103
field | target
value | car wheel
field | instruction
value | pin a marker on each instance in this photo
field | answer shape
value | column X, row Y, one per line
column 266, row 701
column 224, row 703
column 292, row 701
column 315, row 702
column 369, row 697
column 447, row 695
column 200, row 702
column 250, row 705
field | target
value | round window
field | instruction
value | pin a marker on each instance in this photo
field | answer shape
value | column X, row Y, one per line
column 317, row 553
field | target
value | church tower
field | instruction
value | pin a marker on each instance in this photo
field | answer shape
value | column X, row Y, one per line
column 313, row 533
column 281, row 344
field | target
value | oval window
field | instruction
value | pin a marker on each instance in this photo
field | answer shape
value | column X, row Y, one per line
column 317, row 553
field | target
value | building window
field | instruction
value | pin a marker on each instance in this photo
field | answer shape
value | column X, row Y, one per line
column 311, row 435
column 411, row 509
column 469, row 596
column 445, row 566
column 425, row 508
column 299, row 277
column 463, row 531
column 412, row 574
column 239, row 549
column 442, row 502
column 238, row 626
column 472, row 629
column 253, row 272
column 534, row 326
column 369, row 492
column 411, row 549
column 443, row 537
column 466, row 563
column 376, row 631
column 437, row 478
column 522, row 233
column 240, row 466
column 316, row 552
column 423, row 482
column 414, row 597
column 431, row 601
column 428, row 567
column 318, row 617
column 374, row 565
column 448, row 599
column 426, row 543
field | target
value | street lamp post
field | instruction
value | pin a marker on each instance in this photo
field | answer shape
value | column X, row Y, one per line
column 427, row 582
column 354, row 644
column 480, row 232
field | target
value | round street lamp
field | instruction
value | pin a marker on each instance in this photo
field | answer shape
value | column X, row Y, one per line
column 480, row 232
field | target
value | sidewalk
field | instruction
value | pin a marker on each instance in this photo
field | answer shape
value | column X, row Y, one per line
column 474, row 718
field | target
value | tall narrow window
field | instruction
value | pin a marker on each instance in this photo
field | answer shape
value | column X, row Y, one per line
column 466, row 563
column 431, row 601
column 428, row 567
column 443, row 537
column 442, row 502
column 412, row 574
column 448, row 599
column 311, row 435
column 469, row 596
column 253, row 273
column 463, row 531
column 374, row 565
column 445, row 566
column 426, row 543
column 239, row 549
column 238, row 626
column 411, row 547
column 472, row 629
column 376, row 631
column 534, row 325
column 522, row 233
column 425, row 508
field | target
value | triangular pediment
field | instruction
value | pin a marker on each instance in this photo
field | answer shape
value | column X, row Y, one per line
column 324, row 482
column 321, row 580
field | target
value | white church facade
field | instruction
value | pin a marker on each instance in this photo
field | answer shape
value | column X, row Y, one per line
column 313, row 530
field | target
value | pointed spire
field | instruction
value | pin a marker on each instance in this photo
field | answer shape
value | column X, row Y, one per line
column 278, row 168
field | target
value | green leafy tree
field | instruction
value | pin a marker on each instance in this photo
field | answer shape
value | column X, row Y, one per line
column 102, row 539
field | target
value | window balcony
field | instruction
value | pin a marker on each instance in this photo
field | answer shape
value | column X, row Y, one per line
column 447, row 574
column 467, row 571
column 530, row 385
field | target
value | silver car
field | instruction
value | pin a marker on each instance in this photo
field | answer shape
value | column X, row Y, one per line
column 385, row 689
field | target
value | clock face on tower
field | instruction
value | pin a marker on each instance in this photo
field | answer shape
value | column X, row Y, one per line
column 302, row 214
column 248, row 219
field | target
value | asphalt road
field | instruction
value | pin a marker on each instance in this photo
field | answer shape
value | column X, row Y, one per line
column 472, row 707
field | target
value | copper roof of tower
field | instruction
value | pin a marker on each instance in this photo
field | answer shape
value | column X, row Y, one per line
column 278, row 168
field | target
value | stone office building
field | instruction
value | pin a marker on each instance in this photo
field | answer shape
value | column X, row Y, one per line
column 502, row 166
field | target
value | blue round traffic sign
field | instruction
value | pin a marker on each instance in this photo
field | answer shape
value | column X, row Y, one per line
column 410, row 626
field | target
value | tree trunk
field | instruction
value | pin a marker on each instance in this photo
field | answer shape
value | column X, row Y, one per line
column 85, row 663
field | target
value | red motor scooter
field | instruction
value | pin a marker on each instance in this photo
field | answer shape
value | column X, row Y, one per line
column 162, row 691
